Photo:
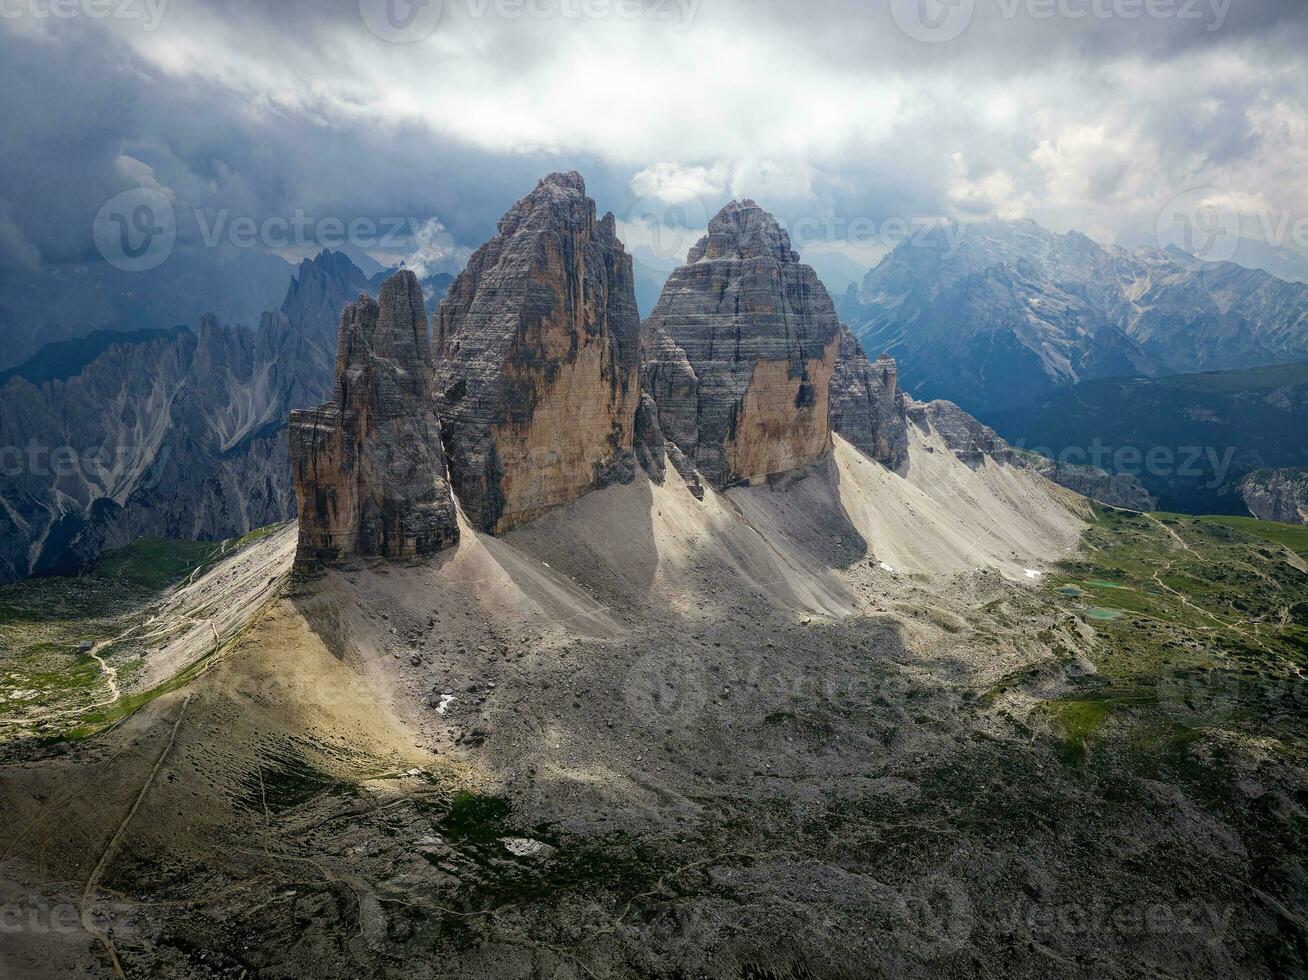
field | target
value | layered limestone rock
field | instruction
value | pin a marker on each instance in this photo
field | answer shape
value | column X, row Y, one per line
column 538, row 360
column 369, row 470
column 1277, row 495
column 739, row 353
column 867, row 407
column 970, row 440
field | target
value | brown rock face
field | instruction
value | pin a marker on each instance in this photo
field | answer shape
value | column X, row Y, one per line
column 866, row 405
column 537, row 370
column 740, row 351
column 369, row 470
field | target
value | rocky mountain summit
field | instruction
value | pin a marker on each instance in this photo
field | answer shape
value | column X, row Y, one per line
column 370, row 477
column 996, row 314
column 537, row 360
column 1277, row 494
column 740, row 350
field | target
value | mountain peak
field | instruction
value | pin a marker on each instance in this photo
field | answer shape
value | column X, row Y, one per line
column 564, row 180
column 743, row 230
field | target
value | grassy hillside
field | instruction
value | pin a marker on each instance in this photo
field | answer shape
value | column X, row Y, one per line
column 1189, row 438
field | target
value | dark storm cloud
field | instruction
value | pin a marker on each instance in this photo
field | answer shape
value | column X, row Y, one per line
column 263, row 110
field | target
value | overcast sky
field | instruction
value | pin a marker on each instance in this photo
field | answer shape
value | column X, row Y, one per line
column 1087, row 114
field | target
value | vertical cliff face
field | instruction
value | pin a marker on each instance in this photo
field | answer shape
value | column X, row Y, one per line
column 537, row 366
column 739, row 352
column 369, row 470
column 866, row 405
column 1277, row 495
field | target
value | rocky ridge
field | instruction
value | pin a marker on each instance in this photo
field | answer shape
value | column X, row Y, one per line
column 369, row 469
column 997, row 314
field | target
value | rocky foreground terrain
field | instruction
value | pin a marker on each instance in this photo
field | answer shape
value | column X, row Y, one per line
column 735, row 662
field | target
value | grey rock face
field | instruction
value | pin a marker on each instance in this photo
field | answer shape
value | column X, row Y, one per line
column 739, row 352
column 1277, row 495
column 867, row 407
column 651, row 449
column 537, row 370
column 369, row 470
column 1114, row 489
column 970, row 440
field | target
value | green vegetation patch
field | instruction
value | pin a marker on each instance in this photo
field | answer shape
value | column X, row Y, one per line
column 1293, row 536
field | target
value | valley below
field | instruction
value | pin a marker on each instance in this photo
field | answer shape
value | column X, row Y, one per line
column 854, row 723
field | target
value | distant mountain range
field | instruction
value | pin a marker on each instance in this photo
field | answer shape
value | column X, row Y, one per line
column 1189, row 438
column 995, row 315
column 69, row 302
column 176, row 432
